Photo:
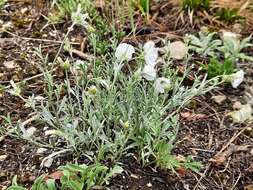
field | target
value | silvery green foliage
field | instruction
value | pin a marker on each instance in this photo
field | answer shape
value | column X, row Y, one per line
column 205, row 45
column 232, row 48
column 103, row 115
column 79, row 18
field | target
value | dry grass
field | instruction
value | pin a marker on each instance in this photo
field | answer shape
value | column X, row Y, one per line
column 243, row 7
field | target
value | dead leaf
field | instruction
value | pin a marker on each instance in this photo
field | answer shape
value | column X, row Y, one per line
column 181, row 171
column 248, row 187
column 2, row 138
column 248, row 96
column 55, row 175
column 229, row 35
column 178, row 50
column 192, row 116
column 10, row 64
column 180, row 158
column 100, row 4
column 219, row 99
column 242, row 115
column 221, row 158
column 52, row 132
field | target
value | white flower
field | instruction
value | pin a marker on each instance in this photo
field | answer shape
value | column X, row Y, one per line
column 149, row 73
column 124, row 52
column 79, row 18
column 150, row 53
column 161, row 84
column 237, row 78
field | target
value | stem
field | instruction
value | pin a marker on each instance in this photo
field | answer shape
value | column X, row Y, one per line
column 64, row 39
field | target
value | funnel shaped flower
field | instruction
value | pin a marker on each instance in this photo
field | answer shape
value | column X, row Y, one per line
column 150, row 53
column 124, row 52
column 237, row 78
column 149, row 73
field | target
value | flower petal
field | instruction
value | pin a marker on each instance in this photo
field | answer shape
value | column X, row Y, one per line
column 150, row 53
column 149, row 73
column 161, row 84
column 237, row 78
column 124, row 51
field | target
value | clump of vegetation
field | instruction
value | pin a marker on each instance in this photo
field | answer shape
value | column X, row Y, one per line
column 143, row 5
column 195, row 4
column 215, row 68
column 73, row 176
column 229, row 15
column 229, row 47
column 119, row 101
column 102, row 113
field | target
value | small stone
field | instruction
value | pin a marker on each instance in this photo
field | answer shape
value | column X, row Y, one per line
column 149, row 184
column 3, row 157
column 134, row 176
column 9, row 64
column 178, row 50
column 237, row 105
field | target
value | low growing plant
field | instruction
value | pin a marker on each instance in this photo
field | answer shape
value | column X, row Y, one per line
column 2, row 3
column 228, row 15
column 105, row 116
column 195, row 4
column 74, row 177
column 106, row 109
column 228, row 47
column 215, row 68
column 205, row 45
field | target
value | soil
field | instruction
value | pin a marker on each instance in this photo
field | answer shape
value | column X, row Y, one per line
column 225, row 149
